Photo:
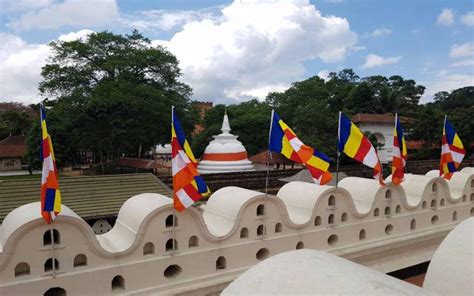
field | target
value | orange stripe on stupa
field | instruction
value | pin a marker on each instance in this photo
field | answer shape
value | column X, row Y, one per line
column 226, row 156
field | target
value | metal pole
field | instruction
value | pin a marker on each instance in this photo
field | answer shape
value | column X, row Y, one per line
column 338, row 152
column 268, row 158
column 51, row 232
column 173, row 229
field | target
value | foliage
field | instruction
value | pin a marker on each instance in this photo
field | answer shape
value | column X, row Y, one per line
column 112, row 94
column 15, row 119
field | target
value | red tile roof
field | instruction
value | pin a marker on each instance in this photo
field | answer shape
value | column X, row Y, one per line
column 276, row 158
column 140, row 163
column 373, row 118
column 13, row 146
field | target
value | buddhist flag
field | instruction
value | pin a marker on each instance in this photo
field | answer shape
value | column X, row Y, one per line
column 354, row 144
column 452, row 151
column 399, row 153
column 283, row 140
column 50, row 193
column 188, row 185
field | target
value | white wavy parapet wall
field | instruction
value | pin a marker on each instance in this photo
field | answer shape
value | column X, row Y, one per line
column 237, row 221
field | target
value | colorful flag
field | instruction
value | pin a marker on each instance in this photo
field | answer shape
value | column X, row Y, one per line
column 50, row 193
column 188, row 185
column 399, row 153
column 354, row 144
column 452, row 151
column 283, row 140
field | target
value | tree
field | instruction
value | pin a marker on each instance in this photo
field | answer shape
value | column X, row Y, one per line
column 112, row 94
column 15, row 119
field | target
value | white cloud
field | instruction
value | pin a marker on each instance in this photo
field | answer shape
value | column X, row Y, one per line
column 78, row 13
column 381, row 32
column 463, row 63
column 22, row 5
column 324, row 74
column 373, row 60
column 247, row 51
column 446, row 18
column 462, row 50
column 20, row 66
column 446, row 81
column 468, row 19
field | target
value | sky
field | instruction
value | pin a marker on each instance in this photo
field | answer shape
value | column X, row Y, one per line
column 232, row 51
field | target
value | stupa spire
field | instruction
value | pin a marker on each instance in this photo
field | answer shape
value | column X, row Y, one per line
column 225, row 124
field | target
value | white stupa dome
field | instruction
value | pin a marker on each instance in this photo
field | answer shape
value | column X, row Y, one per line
column 225, row 153
column 163, row 149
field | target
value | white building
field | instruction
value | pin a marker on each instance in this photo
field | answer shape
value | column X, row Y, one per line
column 381, row 126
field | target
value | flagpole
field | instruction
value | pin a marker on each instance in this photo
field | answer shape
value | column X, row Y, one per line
column 268, row 158
column 51, row 232
column 173, row 229
column 338, row 152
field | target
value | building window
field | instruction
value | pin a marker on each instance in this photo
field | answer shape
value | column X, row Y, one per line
column 376, row 212
column 398, row 209
column 172, row 271
column 169, row 221
column 464, row 198
column 193, row 242
column 413, row 224
column 389, row 229
column 434, row 187
column 118, row 283
column 170, row 244
column 472, row 197
column 331, row 219
column 423, row 205
column 388, row 194
column 80, row 260
column 263, row 253
column 300, row 245
column 387, row 211
column 48, row 265
column 455, row 216
column 47, row 237
column 317, row 221
column 260, row 230
column 278, row 228
column 441, row 202
column 434, row 219
column 244, row 233
column 344, row 217
column 332, row 239
column 472, row 211
column 362, row 234
column 433, row 203
column 221, row 263
column 148, row 249
column 331, row 201
column 22, row 269
column 260, row 210
column 56, row 291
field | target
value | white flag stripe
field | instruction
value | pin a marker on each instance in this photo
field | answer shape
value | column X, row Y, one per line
column 457, row 157
column 371, row 159
column 184, row 198
column 177, row 164
column 48, row 165
column 296, row 144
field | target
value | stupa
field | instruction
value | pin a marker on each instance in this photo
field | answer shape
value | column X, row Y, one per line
column 225, row 153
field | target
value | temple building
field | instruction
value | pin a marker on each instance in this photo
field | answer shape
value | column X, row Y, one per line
column 225, row 153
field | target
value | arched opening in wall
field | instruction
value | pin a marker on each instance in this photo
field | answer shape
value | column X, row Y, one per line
column 464, row 198
column 412, row 224
column 172, row 271
column 262, row 254
column 433, row 203
column 331, row 201
column 278, row 228
column 244, row 233
column 331, row 219
column 80, row 260
column 56, row 291
column 260, row 210
column 344, row 217
column 48, row 264
column 362, row 234
column 434, row 187
column 423, row 205
column 47, row 237
column 387, row 211
column 300, row 245
column 118, row 283
column 317, row 221
column 148, row 249
column 169, row 221
column 260, row 230
column 170, row 244
column 376, row 212
column 193, row 242
column 472, row 211
column 221, row 263
column 388, row 194
column 389, row 229
column 441, row 202
column 472, row 183
column 455, row 216
column 22, row 269
column 434, row 219
column 472, row 197
column 332, row 239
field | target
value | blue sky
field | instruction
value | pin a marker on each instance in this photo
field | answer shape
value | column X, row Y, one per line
column 236, row 50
